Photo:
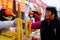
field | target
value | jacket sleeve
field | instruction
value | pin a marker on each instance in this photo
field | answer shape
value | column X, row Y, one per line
column 36, row 25
column 4, row 24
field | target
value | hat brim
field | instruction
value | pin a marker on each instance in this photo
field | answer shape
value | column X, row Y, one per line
column 13, row 14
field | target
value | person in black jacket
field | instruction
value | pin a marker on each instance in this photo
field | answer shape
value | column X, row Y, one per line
column 50, row 26
column 50, row 23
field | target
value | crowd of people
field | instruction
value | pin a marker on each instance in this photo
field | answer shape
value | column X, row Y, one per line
column 49, row 26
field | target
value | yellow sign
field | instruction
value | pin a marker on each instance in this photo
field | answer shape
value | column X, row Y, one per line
column 5, row 0
column 0, row 2
column 6, row 4
column 9, row 4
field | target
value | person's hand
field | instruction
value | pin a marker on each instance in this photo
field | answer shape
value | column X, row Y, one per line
column 15, row 21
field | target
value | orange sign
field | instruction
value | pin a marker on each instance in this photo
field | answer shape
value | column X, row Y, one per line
column 6, row 4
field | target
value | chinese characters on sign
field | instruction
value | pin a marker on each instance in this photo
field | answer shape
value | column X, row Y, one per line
column 22, row 6
column 6, row 4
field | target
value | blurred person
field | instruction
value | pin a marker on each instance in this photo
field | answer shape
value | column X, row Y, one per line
column 31, row 15
column 5, row 19
column 37, row 15
column 48, row 25
column 2, row 13
column 6, row 14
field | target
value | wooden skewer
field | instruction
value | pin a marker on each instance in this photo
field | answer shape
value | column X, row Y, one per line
column 26, row 28
column 19, row 24
column 30, row 24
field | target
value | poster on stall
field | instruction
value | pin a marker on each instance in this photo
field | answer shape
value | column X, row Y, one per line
column 32, row 1
column 41, row 4
column 6, row 4
column 44, row 5
column 22, row 5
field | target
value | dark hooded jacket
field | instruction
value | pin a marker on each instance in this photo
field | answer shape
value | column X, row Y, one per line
column 47, row 30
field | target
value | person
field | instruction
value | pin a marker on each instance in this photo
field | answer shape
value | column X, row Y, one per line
column 48, row 25
column 5, row 19
column 6, row 14
column 2, row 13
column 37, row 15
